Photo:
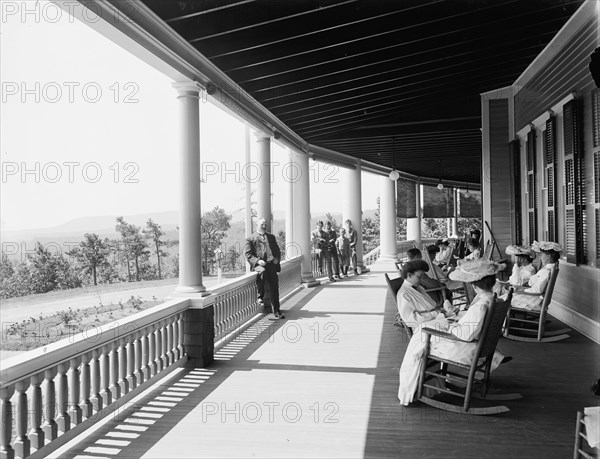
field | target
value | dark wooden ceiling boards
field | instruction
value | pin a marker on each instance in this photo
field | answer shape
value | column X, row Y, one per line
column 395, row 82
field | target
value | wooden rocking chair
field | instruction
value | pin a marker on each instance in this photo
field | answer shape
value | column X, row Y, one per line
column 393, row 287
column 534, row 322
column 452, row 381
column 399, row 265
column 582, row 449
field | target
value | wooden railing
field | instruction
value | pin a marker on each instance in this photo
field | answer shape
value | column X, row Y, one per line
column 61, row 389
column 236, row 301
column 372, row 256
column 58, row 391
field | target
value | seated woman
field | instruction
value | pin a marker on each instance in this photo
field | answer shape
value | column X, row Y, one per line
column 482, row 274
column 522, row 269
column 444, row 252
column 414, row 304
column 530, row 298
column 433, row 285
column 474, row 249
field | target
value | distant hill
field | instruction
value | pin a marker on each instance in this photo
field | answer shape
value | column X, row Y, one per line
column 102, row 225
column 69, row 234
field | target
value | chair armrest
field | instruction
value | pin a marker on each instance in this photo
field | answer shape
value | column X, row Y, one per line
column 434, row 289
column 523, row 292
column 441, row 334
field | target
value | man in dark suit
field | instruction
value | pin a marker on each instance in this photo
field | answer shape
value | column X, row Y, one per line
column 263, row 254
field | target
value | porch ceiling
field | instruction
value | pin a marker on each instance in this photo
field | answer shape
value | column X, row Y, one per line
column 393, row 82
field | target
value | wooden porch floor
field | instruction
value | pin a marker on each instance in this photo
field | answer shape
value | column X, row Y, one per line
column 323, row 383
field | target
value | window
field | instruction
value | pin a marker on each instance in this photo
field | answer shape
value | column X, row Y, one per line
column 550, row 178
column 574, row 184
column 532, row 190
column 596, row 142
column 515, row 160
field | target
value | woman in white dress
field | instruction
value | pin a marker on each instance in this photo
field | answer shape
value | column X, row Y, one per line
column 522, row 270
column 482, row 274
column 414, row 304
column 474, row 249
column 530, row 298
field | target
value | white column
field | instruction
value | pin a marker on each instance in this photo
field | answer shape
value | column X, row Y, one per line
column 301, row 231
column 455, row 218
column 413, row 225
column 289, row 176
column 387, row 218
column 353, row 207
column 263, row 189
column 190, row 241
column 248, row 190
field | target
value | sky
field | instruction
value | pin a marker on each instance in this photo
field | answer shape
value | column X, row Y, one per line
column 88, row 129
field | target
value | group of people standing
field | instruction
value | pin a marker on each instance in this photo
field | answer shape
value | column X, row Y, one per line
column 337, row 253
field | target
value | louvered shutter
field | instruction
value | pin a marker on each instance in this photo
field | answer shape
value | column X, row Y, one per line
column 550, row 176
column 531, row 186
column 596, row 128
column 574, row 195
column 515, row 159
column 596, row 116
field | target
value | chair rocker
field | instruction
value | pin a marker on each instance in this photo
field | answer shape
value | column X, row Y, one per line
column 393, row 287
column 531, row 326
column 465, row 385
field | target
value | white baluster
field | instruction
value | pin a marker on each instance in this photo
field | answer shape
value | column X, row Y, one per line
column 36, row 434
column 49, row 426
column 6, row 449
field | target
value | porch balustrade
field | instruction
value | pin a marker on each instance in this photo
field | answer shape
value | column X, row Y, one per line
column 53, row 393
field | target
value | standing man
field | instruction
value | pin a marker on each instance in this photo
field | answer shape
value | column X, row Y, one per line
column 263, row 254
column 353, row 237
column 332, row 249
column 318, row 239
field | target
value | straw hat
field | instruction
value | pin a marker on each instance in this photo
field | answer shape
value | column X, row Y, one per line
column 546, row 245
column 474, row 270
column 520, row 250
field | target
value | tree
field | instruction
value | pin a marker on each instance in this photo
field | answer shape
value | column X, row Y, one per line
column 331, row 218
column 47, row 271
column 280, row 238
column 123, row 246
column 232, row 258
column 134, row 245
column 370, row 231
column 154, row 232
column 215, row 224
column 434, row 227
column 92, row 254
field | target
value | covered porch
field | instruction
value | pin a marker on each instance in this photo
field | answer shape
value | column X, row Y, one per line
column 324, row 383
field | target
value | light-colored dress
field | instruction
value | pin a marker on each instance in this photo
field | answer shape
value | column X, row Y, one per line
column 467, row 328
column 537, row 285
column 415, row 305
column 474, row 255
column 443, row 256
column 521, row 274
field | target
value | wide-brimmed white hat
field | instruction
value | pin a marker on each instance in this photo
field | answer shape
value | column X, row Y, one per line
column 546, row 245
column 520, row 250
column 474, row 270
